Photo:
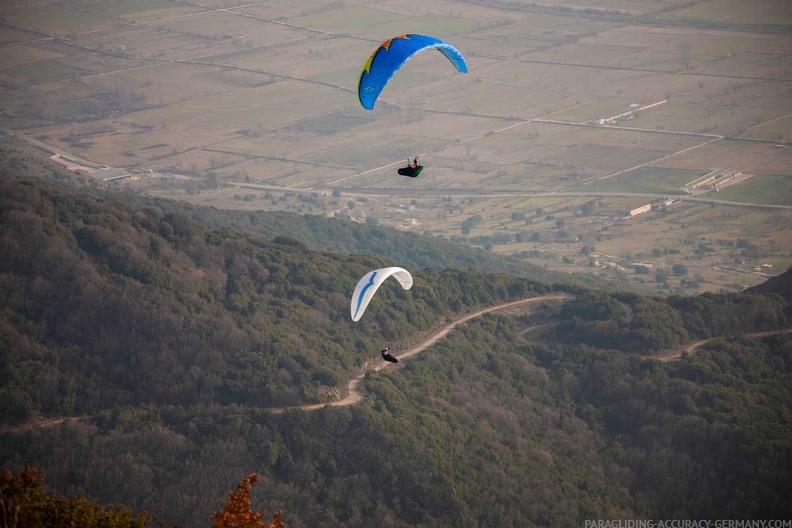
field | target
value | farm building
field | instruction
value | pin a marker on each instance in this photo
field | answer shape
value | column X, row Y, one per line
column 639, row 210
column 664, row 203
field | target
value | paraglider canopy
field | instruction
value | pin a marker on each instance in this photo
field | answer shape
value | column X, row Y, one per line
column 391, row 55
column 371, row 281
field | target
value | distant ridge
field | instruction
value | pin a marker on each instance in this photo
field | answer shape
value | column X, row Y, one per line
column 780, row 284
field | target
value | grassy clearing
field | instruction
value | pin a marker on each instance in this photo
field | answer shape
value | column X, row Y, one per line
column 767, row 188
column 749, row 157
column 735, row 11
column 340, row 20
column 66, row 18
column 646, row 179
column 15, row 55
column 42, row 71
column 9, row 35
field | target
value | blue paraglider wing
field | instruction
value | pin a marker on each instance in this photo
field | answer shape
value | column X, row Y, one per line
column 391, row 55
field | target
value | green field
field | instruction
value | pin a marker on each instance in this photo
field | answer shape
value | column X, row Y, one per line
column 652, row 180
column 767, row 188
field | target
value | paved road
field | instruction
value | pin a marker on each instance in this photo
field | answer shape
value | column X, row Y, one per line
column 481, row 193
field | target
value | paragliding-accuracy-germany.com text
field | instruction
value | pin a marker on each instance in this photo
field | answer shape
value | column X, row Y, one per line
column 677, row 523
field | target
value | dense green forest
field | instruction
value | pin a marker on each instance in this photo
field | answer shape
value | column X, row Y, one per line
column 644, row 325
column 166, row 339
column 485, row 430
column 780, row 285
column 104, row 305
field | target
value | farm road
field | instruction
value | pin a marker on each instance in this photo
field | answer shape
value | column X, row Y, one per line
column 483, row 193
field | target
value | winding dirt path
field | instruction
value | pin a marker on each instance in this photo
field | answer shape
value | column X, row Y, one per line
column 690, row 348
column 354, row 396
column 35, row 423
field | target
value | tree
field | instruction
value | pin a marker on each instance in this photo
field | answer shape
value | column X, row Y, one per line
column 679, row 269
column 25, row 501
column 743, row 243
column 238, row 513
column 588, row 208
column 685, row 283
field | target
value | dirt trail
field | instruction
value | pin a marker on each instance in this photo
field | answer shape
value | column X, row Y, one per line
column 354, row 396
column 673, row 355
column 35, row 423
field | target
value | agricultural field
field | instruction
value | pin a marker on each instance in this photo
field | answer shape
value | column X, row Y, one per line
column 607, row 104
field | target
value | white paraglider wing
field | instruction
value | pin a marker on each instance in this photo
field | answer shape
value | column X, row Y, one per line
column 367, row 286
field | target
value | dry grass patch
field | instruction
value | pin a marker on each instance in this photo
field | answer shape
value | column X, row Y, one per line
column 22, row 54
column 779, row 129
column 741, row 155
column 65, row 17
column 735, row 12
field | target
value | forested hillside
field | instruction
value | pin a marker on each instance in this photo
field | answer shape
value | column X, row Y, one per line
column 486, row 429
column 314, row 232
column 165, row 342
column 325, row 234
column 104, row 305
column 644, row 325
column 780, row 284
